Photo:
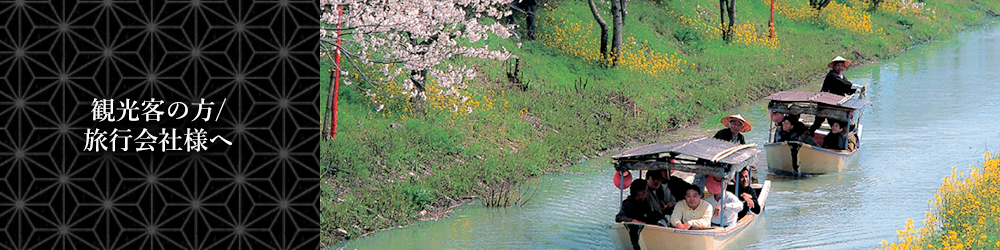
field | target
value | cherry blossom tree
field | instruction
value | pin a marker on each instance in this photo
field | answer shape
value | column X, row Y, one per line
column 410, row 41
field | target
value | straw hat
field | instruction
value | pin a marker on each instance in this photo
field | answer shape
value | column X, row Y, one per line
column 839, row 59
column 746, row 124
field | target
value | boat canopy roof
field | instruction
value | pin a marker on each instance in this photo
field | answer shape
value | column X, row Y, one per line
column 822, row 104
column 707, row 156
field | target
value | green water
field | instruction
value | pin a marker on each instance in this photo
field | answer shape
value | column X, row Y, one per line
column 933, row 108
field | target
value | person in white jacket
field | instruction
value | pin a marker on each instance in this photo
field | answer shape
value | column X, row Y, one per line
column 722, row 199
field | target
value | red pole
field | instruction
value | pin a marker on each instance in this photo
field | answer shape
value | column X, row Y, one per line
column 770, row 24
column 336, row 75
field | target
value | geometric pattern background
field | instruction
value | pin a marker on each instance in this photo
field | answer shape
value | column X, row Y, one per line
column 258, row 193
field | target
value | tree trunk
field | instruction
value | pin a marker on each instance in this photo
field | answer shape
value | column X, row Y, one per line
column 722, row 19
column 624, row 9
column 419, row 78
column 874, row 4
column 618, row 22
column 727, row 7
column 604, row 31
column 732, row 18
column 819, row 4
column 327, row 127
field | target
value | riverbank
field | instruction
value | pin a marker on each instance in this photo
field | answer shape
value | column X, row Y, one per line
column 965, row 213
column 385, row 167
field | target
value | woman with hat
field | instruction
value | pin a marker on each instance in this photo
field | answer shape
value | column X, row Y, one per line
column 735, row 125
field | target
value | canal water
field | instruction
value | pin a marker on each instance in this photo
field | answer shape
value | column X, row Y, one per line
column 933, row 108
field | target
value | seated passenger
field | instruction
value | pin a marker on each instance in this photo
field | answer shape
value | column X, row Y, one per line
column 747, row 194
column 673, row 185
column 662, row 192
column 654, row 195
column 787, row 129
column 793, row 130
column 693, row 213
column 635, row 208
column 722, row 199
column 835, row 140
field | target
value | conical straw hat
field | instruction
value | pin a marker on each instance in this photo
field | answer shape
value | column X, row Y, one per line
column 839, row 59
column 746, row 124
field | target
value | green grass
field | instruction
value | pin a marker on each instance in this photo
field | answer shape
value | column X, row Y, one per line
column 391, row 167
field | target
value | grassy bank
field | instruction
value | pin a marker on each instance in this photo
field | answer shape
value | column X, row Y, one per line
column 387, row 168
column 965, row 213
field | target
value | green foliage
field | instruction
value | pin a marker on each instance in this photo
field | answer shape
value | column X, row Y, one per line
column 418, row 197
column 905, row 21
column 686, row 35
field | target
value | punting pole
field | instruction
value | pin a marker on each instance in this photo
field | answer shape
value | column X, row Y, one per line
column 770, row 136
column 738, row 184
column 722, row 202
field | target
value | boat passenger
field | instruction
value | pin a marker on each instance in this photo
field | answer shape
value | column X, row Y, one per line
column 673, row 191
column 735, row 126
column 722, row 199
column 786, row 131
column 835, row 83
column 660, row 190
column 747, row 194
column 835, row 140
column 635, row 208
column 654, row 195
column 793, row 130
column 693, row 213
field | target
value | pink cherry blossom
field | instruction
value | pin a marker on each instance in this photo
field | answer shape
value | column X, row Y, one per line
column 414, row 36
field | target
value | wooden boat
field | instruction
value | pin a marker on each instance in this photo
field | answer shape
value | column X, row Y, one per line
column 706, row 156
column 798, row 158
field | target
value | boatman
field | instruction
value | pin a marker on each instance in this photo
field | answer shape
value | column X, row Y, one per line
column 835, row 83
column 736, row 125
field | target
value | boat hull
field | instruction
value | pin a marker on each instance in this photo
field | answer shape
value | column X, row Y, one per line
column 781, row 159
column 656, row 237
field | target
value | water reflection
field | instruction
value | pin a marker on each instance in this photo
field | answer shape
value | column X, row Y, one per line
column 932, row 109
